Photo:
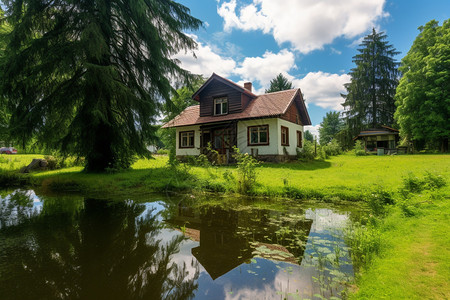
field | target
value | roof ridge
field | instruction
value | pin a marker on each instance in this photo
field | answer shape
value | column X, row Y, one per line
column 283, row 91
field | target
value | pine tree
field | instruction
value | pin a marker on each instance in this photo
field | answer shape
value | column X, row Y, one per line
column 369, row 101
column 423, row 95
column 279, row 83
column 89, row 77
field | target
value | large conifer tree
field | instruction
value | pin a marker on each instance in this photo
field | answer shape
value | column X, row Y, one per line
column 369, row 101
column 279, row 83
column 88, row 77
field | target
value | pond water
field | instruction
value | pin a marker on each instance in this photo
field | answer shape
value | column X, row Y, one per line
column 70, row 247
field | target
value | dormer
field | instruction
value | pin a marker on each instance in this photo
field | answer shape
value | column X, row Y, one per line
column 219, row 96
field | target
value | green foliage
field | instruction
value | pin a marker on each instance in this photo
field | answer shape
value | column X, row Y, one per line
column 370, row 94
column 279, row 83
column 365, row 244
column 309, row 136
column 331, row 149
column 246, row 165
column 378, row 199
column 308, row 152
column 94, row 73
column 415, row 184
column 359, row 148
column 330, row 126
column 423, row 94
column 163, row 151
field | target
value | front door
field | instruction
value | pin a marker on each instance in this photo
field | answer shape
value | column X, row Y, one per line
column 222, row 140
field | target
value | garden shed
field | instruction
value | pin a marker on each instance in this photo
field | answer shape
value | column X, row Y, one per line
column 382, row 140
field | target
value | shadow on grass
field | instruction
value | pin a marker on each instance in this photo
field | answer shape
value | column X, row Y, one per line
column 129, row 181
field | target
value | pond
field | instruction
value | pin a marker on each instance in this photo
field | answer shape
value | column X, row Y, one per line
column 70, row 247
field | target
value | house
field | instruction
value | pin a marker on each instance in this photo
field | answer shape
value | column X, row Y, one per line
column 382, row 140
column 228, row 238
column 268, row 126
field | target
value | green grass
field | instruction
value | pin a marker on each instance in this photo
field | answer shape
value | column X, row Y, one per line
column 415, row 262
column 345, row 177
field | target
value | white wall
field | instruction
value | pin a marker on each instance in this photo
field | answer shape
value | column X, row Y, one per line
column 274, row 141
column 293, row 128
column 189, row 151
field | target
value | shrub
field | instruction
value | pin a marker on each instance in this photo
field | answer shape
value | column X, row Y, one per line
column 378, row 199
column 307, row 153
column 359, row 148
column 163, row 151
column 414, row 184
column 246, row 165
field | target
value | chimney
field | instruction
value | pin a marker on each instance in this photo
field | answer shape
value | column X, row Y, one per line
column 248, row 86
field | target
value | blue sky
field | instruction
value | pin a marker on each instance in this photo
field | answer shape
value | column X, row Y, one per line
column 312, row 42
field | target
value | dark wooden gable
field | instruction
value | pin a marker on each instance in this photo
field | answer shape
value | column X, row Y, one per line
column 217, row 87
column 296, row 112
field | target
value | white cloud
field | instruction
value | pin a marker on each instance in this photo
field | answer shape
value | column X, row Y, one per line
column 323, row 89
column 313, row 129
column 307, row 24
column 266, row 67
column 207, row 61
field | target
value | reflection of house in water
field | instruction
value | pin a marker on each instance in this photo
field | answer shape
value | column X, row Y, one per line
column 229, row 238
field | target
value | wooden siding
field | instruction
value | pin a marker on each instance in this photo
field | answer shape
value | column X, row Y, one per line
column 292, row 114
column 217, row 89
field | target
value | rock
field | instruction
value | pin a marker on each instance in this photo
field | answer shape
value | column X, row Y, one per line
column 36, row 164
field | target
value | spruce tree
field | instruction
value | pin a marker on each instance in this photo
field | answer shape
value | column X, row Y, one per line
column 369, row 101
column 279, row 83
column 89, row 77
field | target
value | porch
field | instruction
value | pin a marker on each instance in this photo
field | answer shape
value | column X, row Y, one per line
column 221, row 138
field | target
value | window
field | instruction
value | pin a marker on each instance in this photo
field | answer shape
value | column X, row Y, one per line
column 284, row 136
column 186, row 139
column 258, row 135
column 299, row 139
column 220, row 106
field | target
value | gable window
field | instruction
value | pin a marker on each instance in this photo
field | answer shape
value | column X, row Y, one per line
column 299, row 139
column 186, row 139
column 258, row 135
column 284, row 136
column 220, row 106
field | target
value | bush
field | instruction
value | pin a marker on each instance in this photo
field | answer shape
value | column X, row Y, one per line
column 359, row 148
column 246, row 165
column 378, row 199
column 307, row 153
column 163, row 152
column 414, row 184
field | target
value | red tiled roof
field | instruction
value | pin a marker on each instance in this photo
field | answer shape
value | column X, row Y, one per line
column 267, row 105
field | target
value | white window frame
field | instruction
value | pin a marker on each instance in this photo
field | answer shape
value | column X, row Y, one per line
column 221, row 101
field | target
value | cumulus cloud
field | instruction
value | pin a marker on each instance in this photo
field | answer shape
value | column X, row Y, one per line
column 306, row 24
column 266, row 67
column 206, row 61
column 323, row 89
column 313, row 129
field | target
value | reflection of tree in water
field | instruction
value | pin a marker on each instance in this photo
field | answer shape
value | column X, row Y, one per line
column 109, row 250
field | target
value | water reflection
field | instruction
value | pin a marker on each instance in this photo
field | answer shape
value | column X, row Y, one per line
column 264, row 254
column 97, row 250
column 69, row 247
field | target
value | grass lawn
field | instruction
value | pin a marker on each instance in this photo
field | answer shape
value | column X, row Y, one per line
column 346, row 176
column 415, row 263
